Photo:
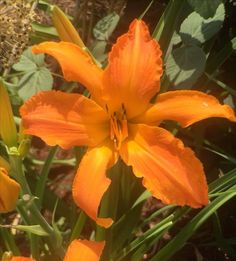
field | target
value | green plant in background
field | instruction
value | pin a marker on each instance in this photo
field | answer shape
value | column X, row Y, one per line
column 188, row 32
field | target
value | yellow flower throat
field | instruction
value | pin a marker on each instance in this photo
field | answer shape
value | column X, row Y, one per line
column 118, row 127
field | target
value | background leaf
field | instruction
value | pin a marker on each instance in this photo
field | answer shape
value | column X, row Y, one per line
column 205, row 8
column 29, row 61
column 196, row 30
column 104, row 27
column 185, row 65
column 36, row 78
column 102, row 31
column 34, row 82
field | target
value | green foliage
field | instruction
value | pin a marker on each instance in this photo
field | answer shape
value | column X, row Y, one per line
column 196, row 30
column 185, row 65
column 205, row 8
column 36, row 76
column 102, row 32
column 33, row 229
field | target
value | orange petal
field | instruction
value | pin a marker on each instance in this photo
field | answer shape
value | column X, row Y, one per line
column 134, row 70
column 64, row 119
column 169, row 170
column 90, row 182
column 80, row 250
column 186, row 107
column 10, row 190
column 76, row 64
column 21, row 258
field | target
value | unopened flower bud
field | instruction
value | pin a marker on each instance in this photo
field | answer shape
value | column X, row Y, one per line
column 8, row 130
column 65, row 29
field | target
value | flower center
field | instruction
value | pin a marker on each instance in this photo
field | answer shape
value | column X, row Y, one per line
column 118, row 127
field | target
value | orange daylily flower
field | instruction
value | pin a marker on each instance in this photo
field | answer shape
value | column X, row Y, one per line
column 119, row 120
column 10, row 190
column 78, row 250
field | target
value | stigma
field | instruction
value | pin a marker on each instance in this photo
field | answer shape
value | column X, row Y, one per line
column 118, row 127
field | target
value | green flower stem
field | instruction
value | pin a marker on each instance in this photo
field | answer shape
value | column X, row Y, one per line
column 34, row 249
column 41, row 184
column 34, row 246
column 9, row 240
column 18, row 173
column 78, row 226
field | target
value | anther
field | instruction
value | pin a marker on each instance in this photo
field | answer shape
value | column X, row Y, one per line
column 106, row 107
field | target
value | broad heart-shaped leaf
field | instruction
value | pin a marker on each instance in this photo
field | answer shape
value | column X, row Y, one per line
column 104, row 27
column 34, row 81
column 36, row 78
column 196, row 30
column 185, row 65
column 206, row 8
column 29, row 61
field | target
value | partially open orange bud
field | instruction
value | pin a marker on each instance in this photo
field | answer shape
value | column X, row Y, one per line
column 8, row 130
column 4, row 164
column 10, row 190
column 79, row 250
column 64, row 27
column 22, row 258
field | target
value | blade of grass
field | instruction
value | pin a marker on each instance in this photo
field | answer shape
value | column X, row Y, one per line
column 158, row 229
column 223, row 155
column 123, row 227
column 78, row 226
column 157, row 213
column 221, row 84
column 167, row 24
column 222, row 183
column 41, row 184
column 146, row 10
column 178, row 242
column 219, row 58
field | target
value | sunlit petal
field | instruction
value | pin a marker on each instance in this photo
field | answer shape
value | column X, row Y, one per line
column 9, row 192
column 90, row 182
column 64, row 119
column 186, row 107
column 169, row 170
column 134, row 70
column 84, row 250
column 76, row 64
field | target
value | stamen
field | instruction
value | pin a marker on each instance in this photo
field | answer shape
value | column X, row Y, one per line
column 118, row 127
column 123, row 108
column 106, row 107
